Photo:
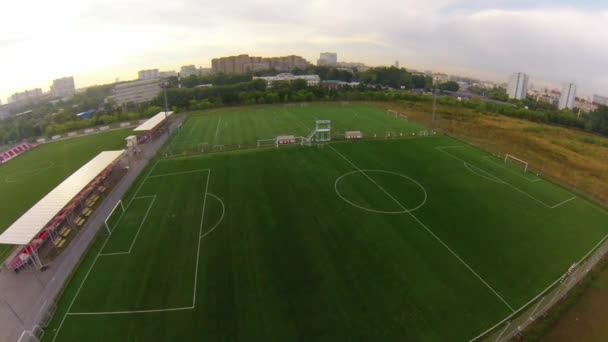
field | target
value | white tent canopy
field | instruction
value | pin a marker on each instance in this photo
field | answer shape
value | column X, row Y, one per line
column 152, row 122
column 31, row 223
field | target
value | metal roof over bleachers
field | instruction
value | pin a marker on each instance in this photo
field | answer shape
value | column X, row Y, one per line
column 22, row 231
column 152, row 122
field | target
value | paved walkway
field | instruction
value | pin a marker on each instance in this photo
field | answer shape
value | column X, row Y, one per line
column 26, row 298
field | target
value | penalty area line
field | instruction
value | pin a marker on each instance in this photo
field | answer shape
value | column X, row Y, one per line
column 128, row 312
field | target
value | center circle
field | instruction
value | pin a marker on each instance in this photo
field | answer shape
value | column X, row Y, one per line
column 367, row 173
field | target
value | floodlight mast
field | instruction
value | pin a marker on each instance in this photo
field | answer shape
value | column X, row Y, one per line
column 165, row 84
column 434, row 106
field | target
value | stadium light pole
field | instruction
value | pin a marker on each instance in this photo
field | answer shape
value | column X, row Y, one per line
column 434, row 106
column 165, row 85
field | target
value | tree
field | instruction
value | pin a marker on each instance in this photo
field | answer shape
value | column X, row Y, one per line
column 598, row 120
column 299, row 84
column 449, row 86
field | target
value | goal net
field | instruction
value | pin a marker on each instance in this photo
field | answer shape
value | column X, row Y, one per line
column 114, row 216
column 267, row 143
column 393, row 113
column 204, row 147
column 509, row 159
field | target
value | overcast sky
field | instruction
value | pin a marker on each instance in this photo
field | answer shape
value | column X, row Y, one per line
column 98, row 41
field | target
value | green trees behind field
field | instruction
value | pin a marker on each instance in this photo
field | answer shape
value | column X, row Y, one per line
column 376, row 84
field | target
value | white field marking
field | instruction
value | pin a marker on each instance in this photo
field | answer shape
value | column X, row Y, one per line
column 142, row 197
column 564, row 202
column 440, row 148
column 127, row 312
column 200, row 232
column 542, row 293
column 503, row 331
column 531, row 317
column 221, row 217
column 104, row 245
column 487, row 175
column 430, row 232
column 375, row 210
column 490, row 159
column 177, row 173
column 136, row 234
column 217, row 128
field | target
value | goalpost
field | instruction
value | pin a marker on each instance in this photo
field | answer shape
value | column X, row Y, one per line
column 202, row 147
column 122, row 207
column 393, row 113
column 524, row 163
column 267, row 143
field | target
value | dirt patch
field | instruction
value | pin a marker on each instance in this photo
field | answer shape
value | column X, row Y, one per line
column 587, row 319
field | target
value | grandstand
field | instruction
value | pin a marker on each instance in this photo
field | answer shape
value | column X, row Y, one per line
column 14, row 152
column 153, row 127
column 49, row 223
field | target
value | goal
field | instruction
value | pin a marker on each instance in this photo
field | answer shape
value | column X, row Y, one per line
column 203, row 147
column 111, row 215
column 267, row 143
column 393, row 113
column 514, row 160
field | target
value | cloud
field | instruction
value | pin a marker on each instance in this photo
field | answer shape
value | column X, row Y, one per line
column 98, row 40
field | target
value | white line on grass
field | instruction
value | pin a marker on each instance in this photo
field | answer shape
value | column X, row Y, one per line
column 490, row 159
column 221, row 217
column 487, row 175
column 136, row 234
column 217, row 128
column 542, row 293
column 441, row 148
column 428, row 230
column 99, row 253
column 200, row 232
column 564, row 202
column 127, row 312
column 177, row 173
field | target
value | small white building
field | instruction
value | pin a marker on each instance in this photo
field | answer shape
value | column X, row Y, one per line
column 311, row 80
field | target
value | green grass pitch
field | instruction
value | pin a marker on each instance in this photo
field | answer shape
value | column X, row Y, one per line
column 412, row 239
column 244, row 126
column 29, row 177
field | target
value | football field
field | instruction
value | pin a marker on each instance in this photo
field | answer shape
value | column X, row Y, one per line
column 412, row 239
column 27, row 178
column 243, row 127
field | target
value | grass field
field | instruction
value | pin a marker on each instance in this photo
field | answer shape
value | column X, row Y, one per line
column 27, row 178
column 413, row 239
column 244, row 126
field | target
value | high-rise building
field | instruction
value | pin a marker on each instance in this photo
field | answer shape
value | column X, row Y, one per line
column 518, row 86
column 188, row 70
column 600, row 100
column 26, row 96
column 328, row 59
column 63, row 87
column 148, row 74
column 566, row 100
column 167, row 73
column 244, row 63
column 136, row 92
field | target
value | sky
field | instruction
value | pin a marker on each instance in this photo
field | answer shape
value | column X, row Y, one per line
column 99, row 41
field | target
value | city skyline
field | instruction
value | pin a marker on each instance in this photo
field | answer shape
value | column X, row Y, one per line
column 97, row 42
